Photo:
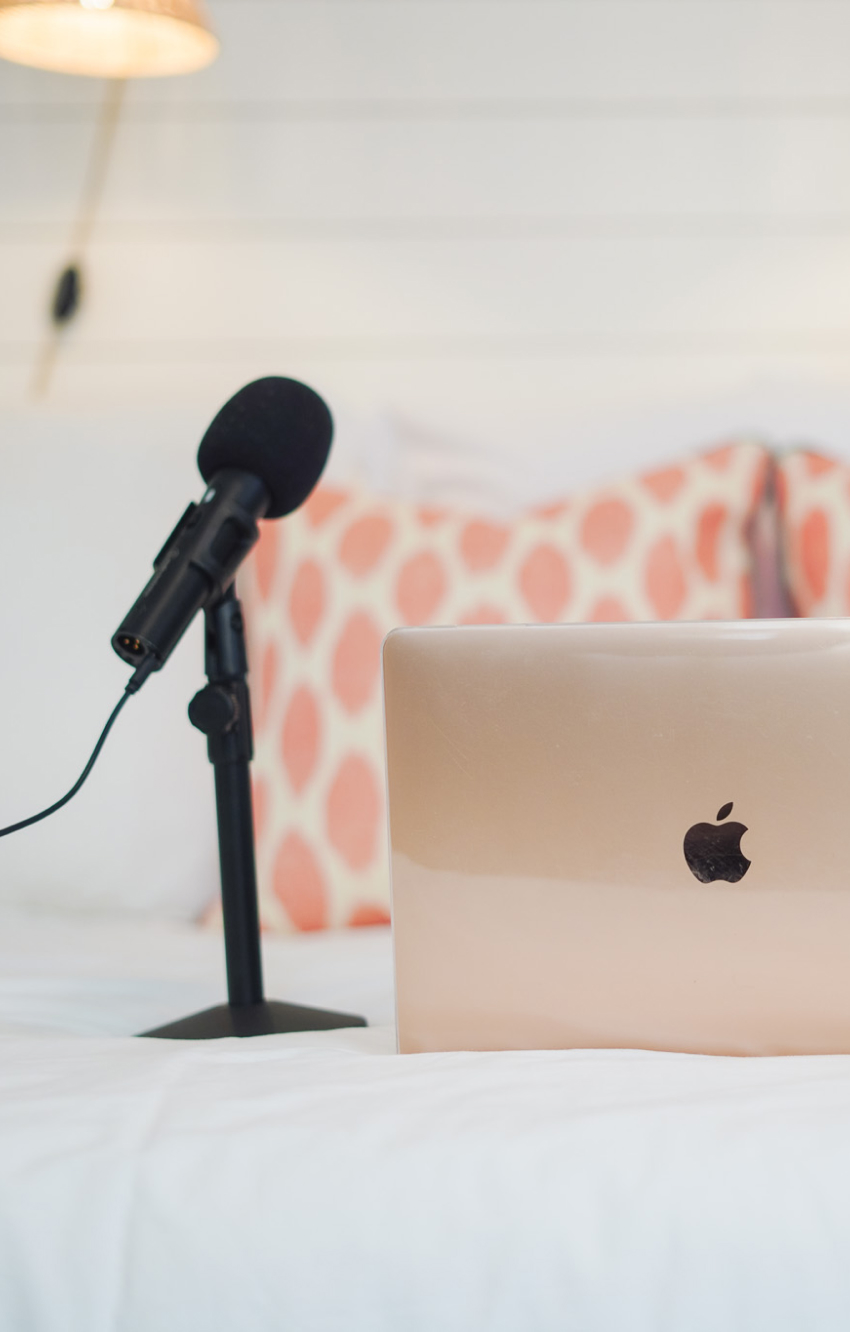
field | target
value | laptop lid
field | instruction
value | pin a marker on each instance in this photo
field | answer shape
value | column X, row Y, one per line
column 621, row 836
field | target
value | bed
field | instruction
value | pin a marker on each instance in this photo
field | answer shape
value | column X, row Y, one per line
column 320, row 1181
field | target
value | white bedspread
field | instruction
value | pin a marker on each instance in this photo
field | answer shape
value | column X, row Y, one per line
column 322, row 1182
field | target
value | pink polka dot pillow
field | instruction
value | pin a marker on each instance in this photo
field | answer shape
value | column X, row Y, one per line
column 327, row 584
column 814, row 507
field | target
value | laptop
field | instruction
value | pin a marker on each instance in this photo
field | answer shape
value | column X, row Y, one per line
column 621, row 836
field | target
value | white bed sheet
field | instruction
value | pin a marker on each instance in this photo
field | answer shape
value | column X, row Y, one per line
column 324, row 1182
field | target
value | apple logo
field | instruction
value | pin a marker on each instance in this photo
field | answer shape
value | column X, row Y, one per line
column 714, row 852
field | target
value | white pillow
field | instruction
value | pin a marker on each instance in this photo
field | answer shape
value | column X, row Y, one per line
column 86, row 504
column 88, row 500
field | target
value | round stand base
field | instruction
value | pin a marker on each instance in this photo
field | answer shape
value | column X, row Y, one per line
column 262, row 1019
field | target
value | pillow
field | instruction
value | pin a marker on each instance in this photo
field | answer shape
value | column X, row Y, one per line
column 814, row 508
column 87, row 502
column 326, row 585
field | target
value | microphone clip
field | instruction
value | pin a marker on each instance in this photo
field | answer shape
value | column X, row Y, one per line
column 222, row 709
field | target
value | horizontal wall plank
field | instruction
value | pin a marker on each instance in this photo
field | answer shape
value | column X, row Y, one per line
column 643, row 170
column 550, row 420
column 433, row 110
column 155, row 353
column 438, row 111
column 510, row 220
column 468, row 50
column 242, row 231
column 358, row 292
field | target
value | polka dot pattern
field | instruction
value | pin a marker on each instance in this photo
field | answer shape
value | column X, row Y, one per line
column 420, row 588
column 354, row 811
column 267, row 555
column 814, row 552
column 260, row 802
column 321, row 504
column 813, row 492
column 606, row 528
column 269, row 676
column 300, row 739
column 665, row 579
column 368, row 915
column 365, row 542
column 306, row 600
column 483, row 614
column 327, row 583
column 357, row 661
column 709, row 530
column 545, row 582
column 609, row 610
column 298, row 884
column 483, row 544
column 666, row 483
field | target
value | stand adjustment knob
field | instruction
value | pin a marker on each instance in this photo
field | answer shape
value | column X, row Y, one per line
column 213, row 710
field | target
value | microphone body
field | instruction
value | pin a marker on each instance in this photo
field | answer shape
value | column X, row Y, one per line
column 261, row 456
column 196, row 565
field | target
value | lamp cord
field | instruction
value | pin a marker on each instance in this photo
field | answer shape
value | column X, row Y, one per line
column 107, row 123
column 104, row 135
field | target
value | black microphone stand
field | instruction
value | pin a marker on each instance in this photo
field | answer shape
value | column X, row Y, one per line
column 222, row 710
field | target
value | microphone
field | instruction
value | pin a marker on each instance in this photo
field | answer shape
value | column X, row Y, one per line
column 261, row 457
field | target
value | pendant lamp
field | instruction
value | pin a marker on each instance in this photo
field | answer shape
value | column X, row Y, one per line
column 113, row 39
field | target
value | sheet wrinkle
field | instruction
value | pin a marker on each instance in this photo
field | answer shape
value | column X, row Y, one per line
column 136, row 1156
column 623, row 1191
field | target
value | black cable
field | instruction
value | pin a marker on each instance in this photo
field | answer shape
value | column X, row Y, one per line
column 34, row 818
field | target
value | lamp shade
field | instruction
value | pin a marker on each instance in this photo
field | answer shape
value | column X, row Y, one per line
column 113, row 39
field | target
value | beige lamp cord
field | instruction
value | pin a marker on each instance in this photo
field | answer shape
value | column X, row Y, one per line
column 95, row 177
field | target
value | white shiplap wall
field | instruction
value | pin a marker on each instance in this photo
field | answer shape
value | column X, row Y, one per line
column 537, row 224
column 561, row 236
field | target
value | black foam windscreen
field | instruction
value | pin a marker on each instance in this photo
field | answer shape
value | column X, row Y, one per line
column 277, row 429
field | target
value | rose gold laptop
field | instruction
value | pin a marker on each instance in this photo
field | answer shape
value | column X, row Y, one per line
column 621, row 835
